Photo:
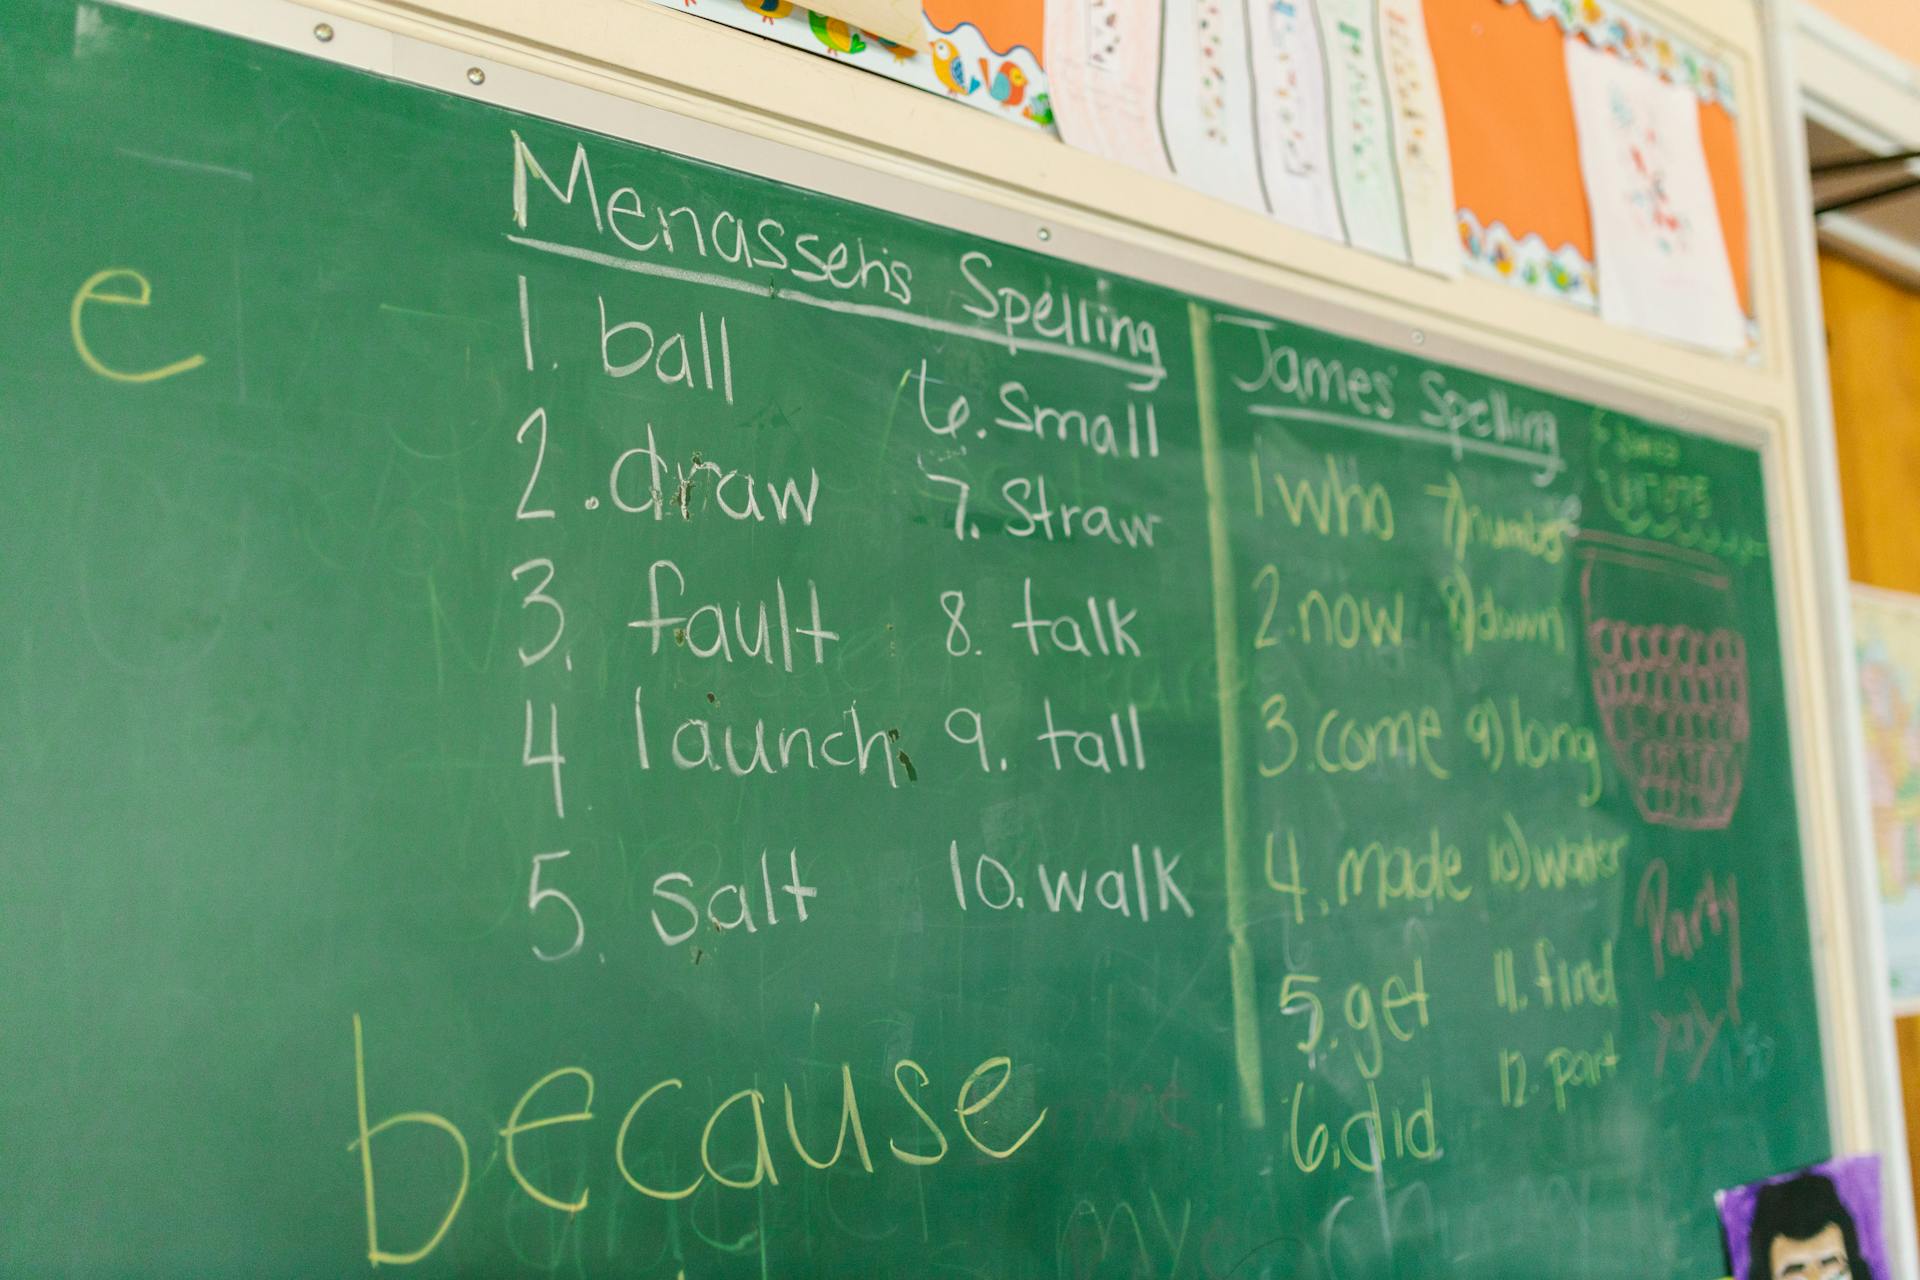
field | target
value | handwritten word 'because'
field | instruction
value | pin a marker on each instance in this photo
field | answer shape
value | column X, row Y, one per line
column 739, row 1123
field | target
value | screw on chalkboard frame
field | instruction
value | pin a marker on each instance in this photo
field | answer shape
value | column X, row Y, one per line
column 323, row 31
column 1044, row 233
column 476, row 76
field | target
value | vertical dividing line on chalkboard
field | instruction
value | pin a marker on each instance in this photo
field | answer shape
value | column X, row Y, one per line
column 526, row 324
column 1226, row 647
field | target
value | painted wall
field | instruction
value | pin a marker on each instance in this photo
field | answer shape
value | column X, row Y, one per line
column 1894, row 25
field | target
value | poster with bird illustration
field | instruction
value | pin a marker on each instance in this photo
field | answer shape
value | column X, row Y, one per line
column 990, row 54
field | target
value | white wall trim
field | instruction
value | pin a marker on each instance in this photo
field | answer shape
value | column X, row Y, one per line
column 1878, row 1111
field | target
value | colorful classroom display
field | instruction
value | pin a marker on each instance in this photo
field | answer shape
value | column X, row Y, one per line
column 985, row 53
column 1565, row 147
column 590, row 712
column 1886, row 628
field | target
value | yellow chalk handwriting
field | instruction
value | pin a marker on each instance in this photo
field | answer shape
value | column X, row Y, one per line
column 963, row 1108
column 515, row 1128
column 914, row 1157
column 140, row 295
column 849, row 1116
column 620, row 1149
column 364, row 1144
column 763, row 1159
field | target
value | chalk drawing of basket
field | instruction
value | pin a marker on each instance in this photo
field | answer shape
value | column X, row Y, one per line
column 1669, row 672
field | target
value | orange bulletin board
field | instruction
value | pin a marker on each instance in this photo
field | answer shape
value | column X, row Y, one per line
column 1516, row 159
column 1005, row 25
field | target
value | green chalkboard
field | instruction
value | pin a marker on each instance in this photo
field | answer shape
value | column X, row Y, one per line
column 571, row 711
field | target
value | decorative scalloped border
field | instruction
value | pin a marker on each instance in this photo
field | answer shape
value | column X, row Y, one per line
column 1021, row 97
column 1605, row 25
column 1564, row 275
column 1495, row 253
column 1023, row 100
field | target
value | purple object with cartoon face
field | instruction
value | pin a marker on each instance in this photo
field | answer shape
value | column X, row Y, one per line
column 1818, row 1223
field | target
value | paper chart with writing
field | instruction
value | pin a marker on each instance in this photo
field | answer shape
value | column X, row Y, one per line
column 1659, row 250
column 1103, row 59
column 1362, row 129
column 1206, row 100
column 1420, row 137
column 1290, row 114
column 1886, row 630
